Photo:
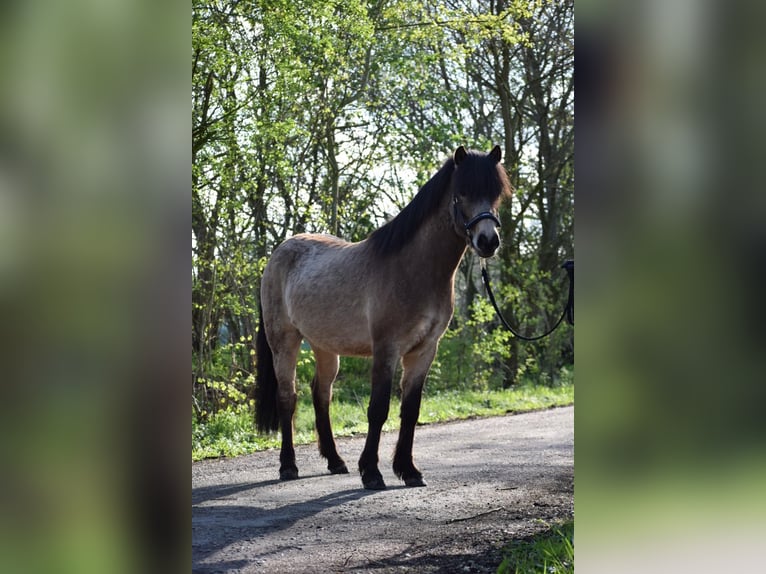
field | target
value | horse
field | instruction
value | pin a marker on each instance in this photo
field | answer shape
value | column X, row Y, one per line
column 390, row 296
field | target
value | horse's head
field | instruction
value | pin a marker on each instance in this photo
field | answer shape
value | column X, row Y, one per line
column 479, row 184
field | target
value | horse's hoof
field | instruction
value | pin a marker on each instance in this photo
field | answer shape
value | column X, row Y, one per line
column 373, row 480
column 288, row 474
column 339, row 469
column 415, row 481
column 374, row 484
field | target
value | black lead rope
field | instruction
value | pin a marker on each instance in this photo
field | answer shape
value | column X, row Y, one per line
column 568, row 310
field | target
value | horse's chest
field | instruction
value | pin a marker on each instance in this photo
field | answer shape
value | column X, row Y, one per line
column 425, row 324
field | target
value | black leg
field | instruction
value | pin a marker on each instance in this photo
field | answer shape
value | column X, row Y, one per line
column 321, row 392
column 288, row 470
column 404, row 467
column 377, row 413
column 327, row 447
column 285, row 343
column 416, row 365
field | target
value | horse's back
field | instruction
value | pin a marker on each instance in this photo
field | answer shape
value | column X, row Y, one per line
column 318, row 285
column 311, row 258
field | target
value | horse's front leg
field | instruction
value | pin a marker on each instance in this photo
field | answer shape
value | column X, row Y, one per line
column 383, row 366
column 415, row 368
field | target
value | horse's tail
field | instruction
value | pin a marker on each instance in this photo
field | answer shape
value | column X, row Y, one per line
column 266, row 415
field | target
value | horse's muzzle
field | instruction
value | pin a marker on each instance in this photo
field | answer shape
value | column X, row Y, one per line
column 483, row 235
column 486, row 245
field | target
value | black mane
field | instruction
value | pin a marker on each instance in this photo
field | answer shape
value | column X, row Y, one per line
column 479, row 176
column 395, row 234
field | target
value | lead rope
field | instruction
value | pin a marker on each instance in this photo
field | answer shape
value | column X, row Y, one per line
column 568, row 309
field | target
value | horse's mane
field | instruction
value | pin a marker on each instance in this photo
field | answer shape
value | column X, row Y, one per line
column 486, row 177
column 395, row 234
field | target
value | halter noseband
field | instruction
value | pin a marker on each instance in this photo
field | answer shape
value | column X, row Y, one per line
column 478, row 218
column 468, row 225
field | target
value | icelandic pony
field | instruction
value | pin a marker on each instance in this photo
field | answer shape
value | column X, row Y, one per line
column 390, row 296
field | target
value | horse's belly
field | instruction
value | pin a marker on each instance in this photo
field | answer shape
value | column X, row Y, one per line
column 333, row 325
column 324, row 299
column 346, row 340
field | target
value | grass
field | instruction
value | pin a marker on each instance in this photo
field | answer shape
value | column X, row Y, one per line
column 231, row 432
column 550, row 552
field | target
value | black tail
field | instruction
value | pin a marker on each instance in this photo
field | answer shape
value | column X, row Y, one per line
column 266, row 414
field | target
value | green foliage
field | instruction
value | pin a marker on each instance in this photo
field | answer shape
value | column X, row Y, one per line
column 230, row 432
column 223, row 382
column 316, row 116
column 550, row 552
column 470, row 355
column 473, row 355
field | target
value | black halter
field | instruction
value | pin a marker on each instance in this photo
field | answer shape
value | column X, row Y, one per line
column 478, row 218
column 468, row 225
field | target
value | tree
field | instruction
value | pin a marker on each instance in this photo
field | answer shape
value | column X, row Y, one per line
column 326, row 116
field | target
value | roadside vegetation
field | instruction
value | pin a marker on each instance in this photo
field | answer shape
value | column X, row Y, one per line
column 327, row 117
column 230, row 430
column 550, row 552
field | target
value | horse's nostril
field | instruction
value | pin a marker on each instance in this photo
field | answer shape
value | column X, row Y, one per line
column 487, row 244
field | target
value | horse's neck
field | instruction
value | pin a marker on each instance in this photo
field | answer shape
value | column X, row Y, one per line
column 436, row 250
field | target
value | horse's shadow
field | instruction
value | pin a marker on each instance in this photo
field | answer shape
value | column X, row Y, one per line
column 238, row 522
column 213, row 492
column 206, row 493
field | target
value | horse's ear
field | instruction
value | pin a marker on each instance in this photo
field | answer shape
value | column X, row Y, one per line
column 460, row 154
column 495, row 154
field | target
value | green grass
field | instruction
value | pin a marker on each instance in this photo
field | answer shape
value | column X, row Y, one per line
column 550, row 552
column 232, row 433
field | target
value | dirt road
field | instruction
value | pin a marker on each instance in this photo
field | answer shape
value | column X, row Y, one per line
column 489, row 481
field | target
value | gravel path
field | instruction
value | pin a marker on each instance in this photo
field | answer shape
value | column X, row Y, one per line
column 489, row 481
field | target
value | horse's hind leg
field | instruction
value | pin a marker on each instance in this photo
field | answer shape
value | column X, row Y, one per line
column 286, row 347
column 321, row 391
column 415, row 368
